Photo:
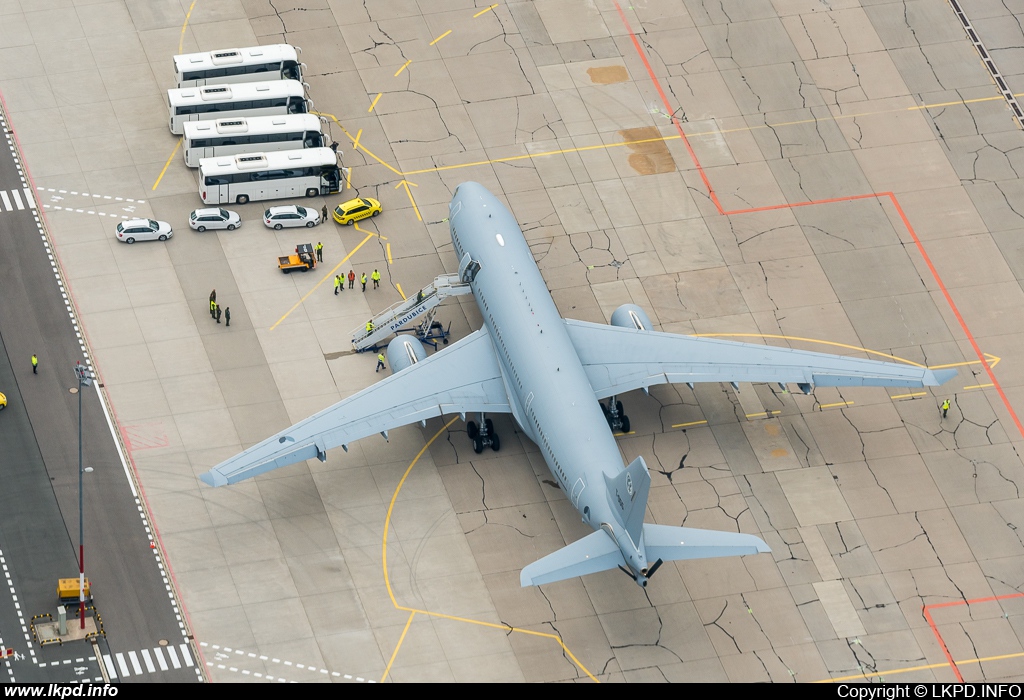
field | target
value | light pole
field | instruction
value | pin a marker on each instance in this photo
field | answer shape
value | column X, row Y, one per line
column 84, row 380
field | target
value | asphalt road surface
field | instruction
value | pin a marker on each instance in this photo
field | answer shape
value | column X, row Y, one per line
column 39, row 506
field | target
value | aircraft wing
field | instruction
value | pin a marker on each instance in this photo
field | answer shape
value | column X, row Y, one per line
column 619, row 359
column 462, row 378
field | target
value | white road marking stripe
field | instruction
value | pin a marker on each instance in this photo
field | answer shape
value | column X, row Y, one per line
column 174, row 657
column 135, row 662
column 6, row 200
column 17, row 199
column 109, row 663
column 149, row 662
column 160, row 658
column 29, row 197
column 186, row 655
column 122, row 665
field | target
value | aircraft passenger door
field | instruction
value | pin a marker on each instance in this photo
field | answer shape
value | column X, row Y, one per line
column 577, row 489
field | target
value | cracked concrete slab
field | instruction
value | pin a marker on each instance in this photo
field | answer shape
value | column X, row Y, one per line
column 874, row 504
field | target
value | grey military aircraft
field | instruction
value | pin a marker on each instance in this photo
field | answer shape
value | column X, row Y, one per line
column 552, row 375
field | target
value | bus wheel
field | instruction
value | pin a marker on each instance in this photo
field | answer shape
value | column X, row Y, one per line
column 312, row 192
column 242, row 199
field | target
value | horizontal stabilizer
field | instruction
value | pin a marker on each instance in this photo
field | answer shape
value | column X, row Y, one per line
column 678, row 543
column 595, row 552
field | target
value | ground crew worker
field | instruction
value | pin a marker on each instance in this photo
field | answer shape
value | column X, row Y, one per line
column 362, row 279
column 325, row 215
column 376, row 279
column 319, row 250
column 227, row 316
column 945, row 407
column 380, row 362
column 337, row 284
column 213, row 298
column 351, row 278
column 35, row 364
column 213, row 306
column 217, row 311
column 369, row 327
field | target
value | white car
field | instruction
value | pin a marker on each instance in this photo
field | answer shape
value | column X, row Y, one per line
column 143, row 230
column 202, row 219
column 278, row 218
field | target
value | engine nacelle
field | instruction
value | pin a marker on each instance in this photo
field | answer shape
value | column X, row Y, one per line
column 631, row 316
column 404, row 351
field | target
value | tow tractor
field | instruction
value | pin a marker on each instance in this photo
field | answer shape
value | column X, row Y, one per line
column 302, row 259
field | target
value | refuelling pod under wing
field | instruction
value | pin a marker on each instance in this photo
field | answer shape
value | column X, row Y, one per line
column 404, row 351
column 631, row 316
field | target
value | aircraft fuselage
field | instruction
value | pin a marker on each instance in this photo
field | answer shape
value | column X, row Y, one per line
column 553, row 401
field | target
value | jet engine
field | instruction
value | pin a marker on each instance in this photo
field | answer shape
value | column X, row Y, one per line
column 631, row 316
column 404, row 351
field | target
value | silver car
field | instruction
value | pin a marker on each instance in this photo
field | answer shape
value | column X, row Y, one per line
column 202, row 219
column 288, row 216
column 143, row 230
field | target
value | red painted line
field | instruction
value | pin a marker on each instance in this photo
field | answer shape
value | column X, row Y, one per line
column 669, row 111
column 873, row 195
column 935, row 630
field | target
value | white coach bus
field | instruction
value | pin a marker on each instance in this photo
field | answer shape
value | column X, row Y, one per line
column 235, row 100
column 255, row 176
column 225, row 137
column 252, row 64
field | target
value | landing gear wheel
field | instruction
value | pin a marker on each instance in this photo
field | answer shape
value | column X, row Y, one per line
column 472, row 430
column 625, row 424
column 489, row 425
column 478, row 444
column 495, row 443
column 618, row 407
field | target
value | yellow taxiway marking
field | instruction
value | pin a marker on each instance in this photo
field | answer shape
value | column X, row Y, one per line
column 696, row 134
column 766, row 414
column 398, row 646
column 833, row 405
column 907, row 396
column 355, row 141
column 404, row 65
column 978, row 386
column 686, row 425
column 181, row 41
column 485, row 10
column 348, row 178
column 409, row 192
column 399, row 288
column 364, row 149
column 992, row 361
column 441, row 37
column 372, row 104
column 927, row 667
column 329, row 276
column 387, row 248
column 391, row 593
column 359, row 228
column 807, row 340
column 168, row 163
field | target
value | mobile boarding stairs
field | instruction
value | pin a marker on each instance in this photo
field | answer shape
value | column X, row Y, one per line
column 415, row 313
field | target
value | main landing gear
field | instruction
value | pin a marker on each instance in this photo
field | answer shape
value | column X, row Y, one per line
column 617, row 420
column 483, row 435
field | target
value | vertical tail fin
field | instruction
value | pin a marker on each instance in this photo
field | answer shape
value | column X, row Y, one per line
column 627, row 494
